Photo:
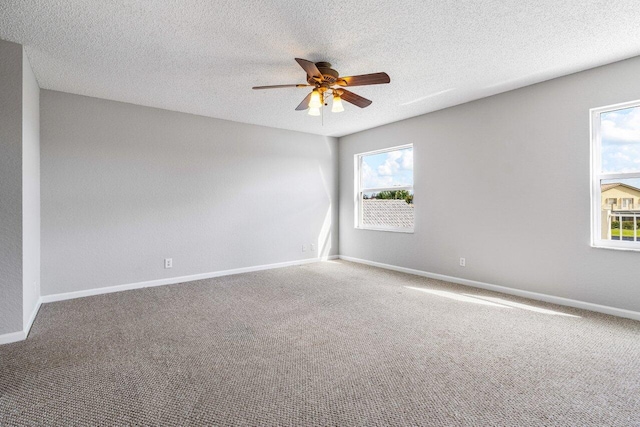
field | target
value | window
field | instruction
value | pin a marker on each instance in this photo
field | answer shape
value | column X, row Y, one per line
column 615, row 169
column 384, row 189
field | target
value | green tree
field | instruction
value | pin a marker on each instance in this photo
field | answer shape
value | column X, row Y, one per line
column 401, row 194
column 394, row 195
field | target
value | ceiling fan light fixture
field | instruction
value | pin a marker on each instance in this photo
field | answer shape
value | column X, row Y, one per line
column 315, row 101
column 337, row 106
column 324, row 80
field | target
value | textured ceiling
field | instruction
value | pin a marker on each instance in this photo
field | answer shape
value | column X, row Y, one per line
column 203, row 56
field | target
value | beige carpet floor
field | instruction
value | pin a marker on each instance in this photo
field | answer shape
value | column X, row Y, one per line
column 327, row 344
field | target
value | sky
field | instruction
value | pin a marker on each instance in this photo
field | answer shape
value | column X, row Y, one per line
column 620, row 132
column 389, row 169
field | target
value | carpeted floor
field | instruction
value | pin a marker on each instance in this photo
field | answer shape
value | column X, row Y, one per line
column 324, row 344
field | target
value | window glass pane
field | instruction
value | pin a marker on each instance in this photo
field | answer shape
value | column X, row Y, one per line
column 388, row 209
column 620, row 138
column 620, row 210
column 389, row 169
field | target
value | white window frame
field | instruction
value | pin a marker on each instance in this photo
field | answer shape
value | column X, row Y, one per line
column 358, row 193
column 597, row 175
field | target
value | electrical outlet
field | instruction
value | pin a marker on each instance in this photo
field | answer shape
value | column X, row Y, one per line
column 168, row 262
column 313, row 247
column 463, row 262
column 304, row 248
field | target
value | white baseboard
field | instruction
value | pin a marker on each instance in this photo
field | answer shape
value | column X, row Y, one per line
column 21, row 335
column 34, row 313
column 620, row 312
column 12, row 337
column 174, row 280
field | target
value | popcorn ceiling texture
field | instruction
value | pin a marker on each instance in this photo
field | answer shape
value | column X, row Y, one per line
column 203, row 57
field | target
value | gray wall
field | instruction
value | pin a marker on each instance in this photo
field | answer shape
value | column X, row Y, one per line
column 125, row 186
column 504, row 182
column 10, row 187
column 30, row 190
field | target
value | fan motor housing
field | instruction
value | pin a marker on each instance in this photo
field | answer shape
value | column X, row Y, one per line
column 329, row 75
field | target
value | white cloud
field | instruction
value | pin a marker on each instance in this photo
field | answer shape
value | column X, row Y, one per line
column 407, row 160
column 372, row 179
column 396, row 161
column 617, row 158
column 621, row 128
column 621, row 141
column 390, row 166
column 395, row 170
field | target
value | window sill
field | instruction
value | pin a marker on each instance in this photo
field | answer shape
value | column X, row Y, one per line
column 392, row 230
column 633, row 248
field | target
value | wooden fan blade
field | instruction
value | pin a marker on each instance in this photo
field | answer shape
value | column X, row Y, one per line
column 305, row 103
column 354, row 99
column 278, row 86
column 310, row 68
column 364, row 79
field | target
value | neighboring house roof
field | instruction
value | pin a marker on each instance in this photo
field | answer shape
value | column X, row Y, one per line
column 392, row 213
column 605, row 187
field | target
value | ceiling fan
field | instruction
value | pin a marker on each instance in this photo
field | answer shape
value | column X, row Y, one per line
column 325, row 80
